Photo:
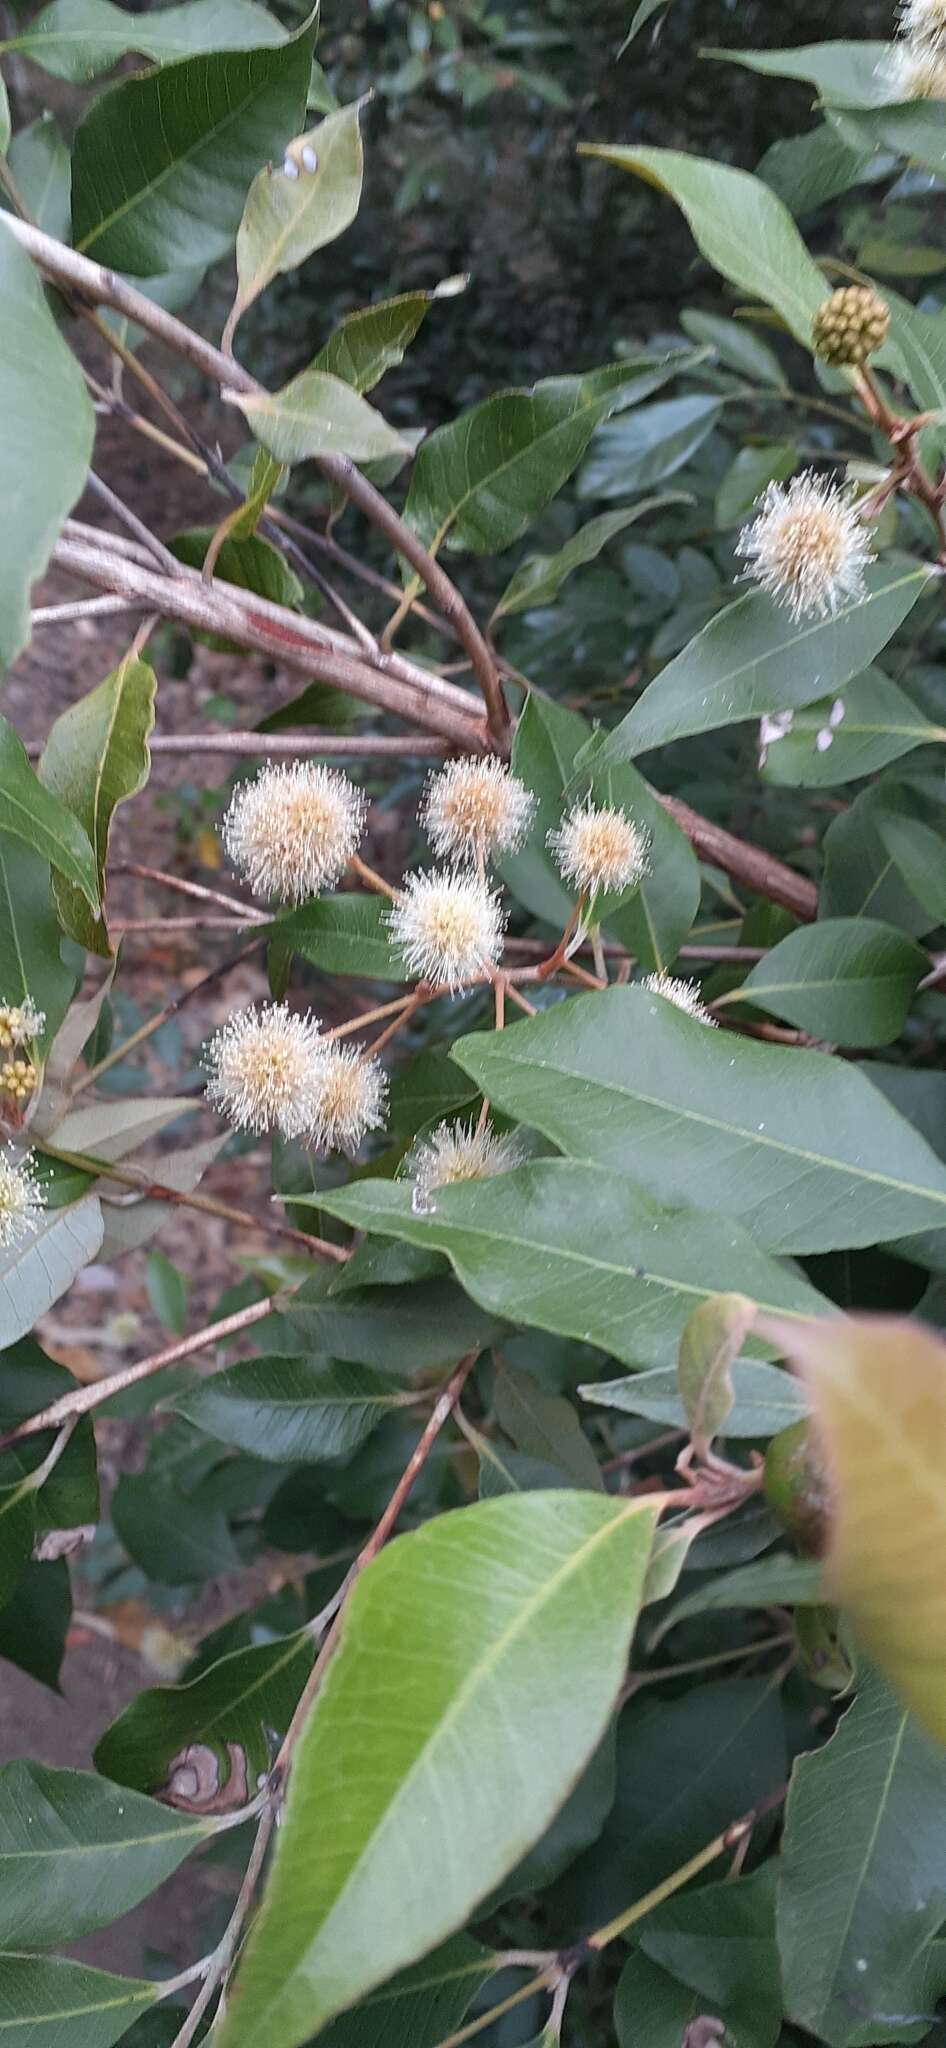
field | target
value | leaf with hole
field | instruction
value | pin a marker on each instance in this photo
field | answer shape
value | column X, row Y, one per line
column 530, row 1599
column 203, row 127
column 232, row 1709
column 559, row 1247
column 96, row 756
column 48, row 432
column 795, row 1144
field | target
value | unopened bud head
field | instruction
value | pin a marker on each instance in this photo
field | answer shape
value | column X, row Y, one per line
column 850, row 326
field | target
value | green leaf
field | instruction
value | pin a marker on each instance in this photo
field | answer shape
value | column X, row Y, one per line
column 46, row 2002
column 753, row 658
column 17, row 1529
column 112, row 1128
column 878, row 1391
column 34, row 1273
column 843, row 74
column 740, row 226
column 735, row 344
column 539, row 580
column 861, row 877
column 5, row 121
column 557, row 1246
column 41, row 166
column 544, row 1426
column 373, row 340
column 95, row 757
column 479, row 482
column 914, row 130
column 861, row 1880
column 876, row 724
column 653, row 2010
column 402, row 1330
column 246, row 560
column 850, row 980
column 546, row 743
column 75, row 1852
column 656, row 919
column 291, row 1410
column 315, row 414
column 721, row 1943
column 344, row 934
column 421, row 2005
column 77, row 39
column 778, row 1581
column 806, row 170
column 167, row 1292
column 765, row 1399
column 266, row 476
column 48, row 432
column 203, row 127
column 917, row 851
column 796, row 1144
column 34, row 1622
column 712, row 1339
column 30, row 812
column 747, row 476
column 527, row 1598
column 638, row 451
column 286, row 218
column 231, row 1708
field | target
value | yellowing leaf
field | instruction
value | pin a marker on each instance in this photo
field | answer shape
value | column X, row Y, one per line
column 712, row 1339
column 295, row 207
column 878, row 1388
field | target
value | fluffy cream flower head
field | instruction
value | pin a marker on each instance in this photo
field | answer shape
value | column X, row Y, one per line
column 807, row 546
column 20, row 1023
column 264, row 1071
column 458, row 1152
column 449, row 926
column 22, row 1200
column 473, row 809
column 293, row 830
column 917, row 70
column 924, row 22
column 684, row 995
column 600, row 849
column 350, row 1098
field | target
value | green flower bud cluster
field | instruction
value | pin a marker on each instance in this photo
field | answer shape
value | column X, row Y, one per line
column 850, row 326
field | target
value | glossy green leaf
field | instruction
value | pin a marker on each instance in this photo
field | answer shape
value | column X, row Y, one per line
column 373, row 340
column 878, row 1392
column 246, row 560
column 539, row 580
column 479, row 482
column 43, row 818
column 806, row 170
column 17, row 1529
column 5, row 121
column 712, row 1339
column 735, row 344
column 418, row 2008
column 266, row 476
column 779, row 1581
column 747, row 476
column 861, row 877
column 35, row 1620
column 861, row 1879
column 77, row 39
column 34, row 1273
column 753, row 658
column 875, row 724
column 638, row 451
column 523, row 1599
column 740, row 226
column 41, row 166
column 316, row 414
column 918, row 852
column 850, row 980
column 287, row 217
column 720, row 1942
column 111, row 1129
column 913, row 130
column 544, row 1426
column 654, row 2010
column 563, row 1248
column 843, row 74
column 48, row 430
column 96, row 756
column 75, row 1852
column 46, row 2002
column 290, row 1410
column 547, row 741
column 765, row 1399
column 232, row 1705
column 402, row 1330
column 344, row 934
column 203, row 127
column 794, row 1143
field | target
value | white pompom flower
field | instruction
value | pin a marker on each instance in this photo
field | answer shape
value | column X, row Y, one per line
column 350, row 1098
column 264, row 1067
column 807, row 546
column 600, row 849
column 923, row 22
column 20, row 1023
column 474, row 809
column 917, row 70
column 293, row 830
column 449, row 925
column 684, row 995
column 461, row 1152
column 22, row 1199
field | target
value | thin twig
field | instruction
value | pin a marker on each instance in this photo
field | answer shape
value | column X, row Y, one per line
column 171, row 1009
column 155, row 1190
column 82, row 1400
column 219, row 1963
column 370, row 746
column 188, row 888
column 149, row 541
column 82, row 608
